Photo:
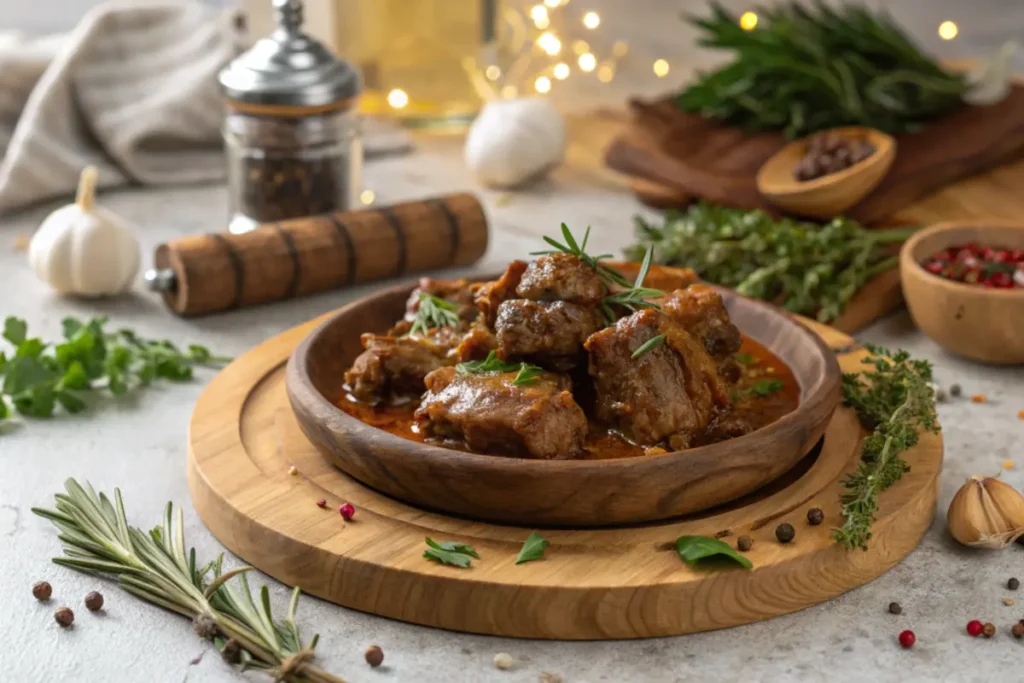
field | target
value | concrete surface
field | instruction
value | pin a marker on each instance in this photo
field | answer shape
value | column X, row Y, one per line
column 140, row 446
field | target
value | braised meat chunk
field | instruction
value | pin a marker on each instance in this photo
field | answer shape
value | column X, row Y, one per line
column 490, row 414
column 667, row 393
column 489, row 295
column 550, row 334
column 701, row 312
column 562, row 277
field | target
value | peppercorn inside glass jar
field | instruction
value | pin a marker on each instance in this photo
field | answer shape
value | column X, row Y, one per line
column 291, row 131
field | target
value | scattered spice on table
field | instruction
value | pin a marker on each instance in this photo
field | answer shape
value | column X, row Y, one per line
column 1020, row 414
column 94, row 601
column 1009, row 602
column 940, row 395
column 974, row 628
column 1009, row 464
column 347, row 511
column 955, row 390
column 42, row 591
column 973, row 264
column 979, row 398
column 785, row 532
column 744, row 543
column 374, row 656
column 988, row 630
column 831, row 152
column 322, row 503
column 64, row 617
column 1017, row 630
column 894, row 608
column 293, row 470
column 815, row 516
column 1013, row 584
column 550, row 677
column 907, row 639
column 503, row 661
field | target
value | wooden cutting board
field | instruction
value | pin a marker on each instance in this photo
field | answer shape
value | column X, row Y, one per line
column 596, row 584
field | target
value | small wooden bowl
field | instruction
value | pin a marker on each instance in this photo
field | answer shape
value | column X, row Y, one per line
column 832, row 194
column 557, row 492
column 983, row 324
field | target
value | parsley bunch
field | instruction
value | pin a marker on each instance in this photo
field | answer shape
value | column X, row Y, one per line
column 894, row 401
column 37, row 377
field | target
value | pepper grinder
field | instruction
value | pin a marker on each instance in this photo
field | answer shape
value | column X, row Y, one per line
column 291, row 129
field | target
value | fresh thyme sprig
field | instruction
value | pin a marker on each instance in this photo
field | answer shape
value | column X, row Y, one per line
column 527, row 374
column 894, row 402
column 432, row 312
column 38, row 376
column 156, row 567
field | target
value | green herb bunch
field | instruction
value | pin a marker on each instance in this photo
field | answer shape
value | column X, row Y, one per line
column 433, row 312
column 893, row 401
column 157, row 568
column 38, row 377
column 804, row 69
column 806, row 268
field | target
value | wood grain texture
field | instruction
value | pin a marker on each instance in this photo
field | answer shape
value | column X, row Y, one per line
column 301, row 256
column 578, row 493
column 592, row 584
column 983, row 324
column 832, row 194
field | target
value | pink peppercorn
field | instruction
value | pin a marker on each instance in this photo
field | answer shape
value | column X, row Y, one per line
column 347, row 511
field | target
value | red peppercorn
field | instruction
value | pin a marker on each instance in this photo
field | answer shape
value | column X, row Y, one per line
column 347, row 511
column 321, row 503
column 907, row 639
column 935, row 267
column 974, row 628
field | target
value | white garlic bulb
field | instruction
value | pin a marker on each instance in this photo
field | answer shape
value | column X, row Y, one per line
column 84, row 249
column 513, row 141
column 989, row 82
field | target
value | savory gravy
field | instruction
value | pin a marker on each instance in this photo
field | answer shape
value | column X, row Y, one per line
column 603, row 443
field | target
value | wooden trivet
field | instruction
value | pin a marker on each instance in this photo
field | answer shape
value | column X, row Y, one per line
column 594, row 584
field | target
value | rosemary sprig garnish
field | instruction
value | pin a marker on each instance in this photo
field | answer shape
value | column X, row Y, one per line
column 805, row 69
column 636, row 296
column 609, row 275
column 156, row 567
column 893, row 401
column 648, row 346
column 527, row 374
column 432, row 312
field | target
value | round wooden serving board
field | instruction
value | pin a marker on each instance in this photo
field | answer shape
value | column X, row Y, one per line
column 623, row 582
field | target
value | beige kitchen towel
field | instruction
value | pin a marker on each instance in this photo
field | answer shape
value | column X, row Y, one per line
column 132, row 90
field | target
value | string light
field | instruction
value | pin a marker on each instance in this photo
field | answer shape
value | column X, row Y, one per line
column 591, row 20
column 587, row 62
column 620, row 48
column 398, row 98
column 542, row 84
column 561, row 71
column 493, row 72
column 580, row 47
column 542, row 23
column 539, row 13
column 549, row 43
column 367, row 197
column 660, row 68
column 948, row 30
column 748, row 20
column 605, row 73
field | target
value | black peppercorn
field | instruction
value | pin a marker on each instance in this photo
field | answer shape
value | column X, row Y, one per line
column 1017, row 630
column 42, row 591
column 64, row 616
column 894, row 608
column 94, row 602
column 815, row 516
column 1013, row 584
column 743, row 543
column 785, row 532
column 988, row 630
column 955, row 390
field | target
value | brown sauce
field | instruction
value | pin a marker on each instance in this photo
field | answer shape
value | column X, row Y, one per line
column 603, row 443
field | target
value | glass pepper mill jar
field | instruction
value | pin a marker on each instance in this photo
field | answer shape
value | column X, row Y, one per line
column 291, row 131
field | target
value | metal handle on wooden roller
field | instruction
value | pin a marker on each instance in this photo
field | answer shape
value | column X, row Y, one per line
column 217, row 272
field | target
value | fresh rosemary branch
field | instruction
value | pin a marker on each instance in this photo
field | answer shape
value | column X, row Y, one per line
column 804, row 69
column 37, row 377
column 527, row 374
column 894, row 401
column 609, row 275
column 434, row 312
column 806, row 268
column 157, row 568
column 635, row 296
column 648, row 346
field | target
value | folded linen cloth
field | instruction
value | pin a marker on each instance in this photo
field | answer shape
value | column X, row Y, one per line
column 133, row 91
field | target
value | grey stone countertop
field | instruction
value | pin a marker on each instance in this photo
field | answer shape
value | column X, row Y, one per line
column 140, row 446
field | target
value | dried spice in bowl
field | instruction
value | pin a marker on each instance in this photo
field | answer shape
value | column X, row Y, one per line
column 974, row 264
column 830, row 153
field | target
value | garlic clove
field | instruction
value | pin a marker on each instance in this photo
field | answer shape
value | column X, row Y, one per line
column 986, row 513
column 515, row 141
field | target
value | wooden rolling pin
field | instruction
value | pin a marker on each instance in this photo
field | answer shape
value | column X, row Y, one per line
column 206, row 274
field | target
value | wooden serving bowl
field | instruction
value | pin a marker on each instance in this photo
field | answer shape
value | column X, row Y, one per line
column 983, row 324
column 832, row 194
column 579, row 493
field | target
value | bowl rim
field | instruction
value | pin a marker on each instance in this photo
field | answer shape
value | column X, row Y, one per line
column 885, row 150
column 300, row 387
column 910, row 261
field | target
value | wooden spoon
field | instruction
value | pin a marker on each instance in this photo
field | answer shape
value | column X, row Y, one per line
column 832, row 194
